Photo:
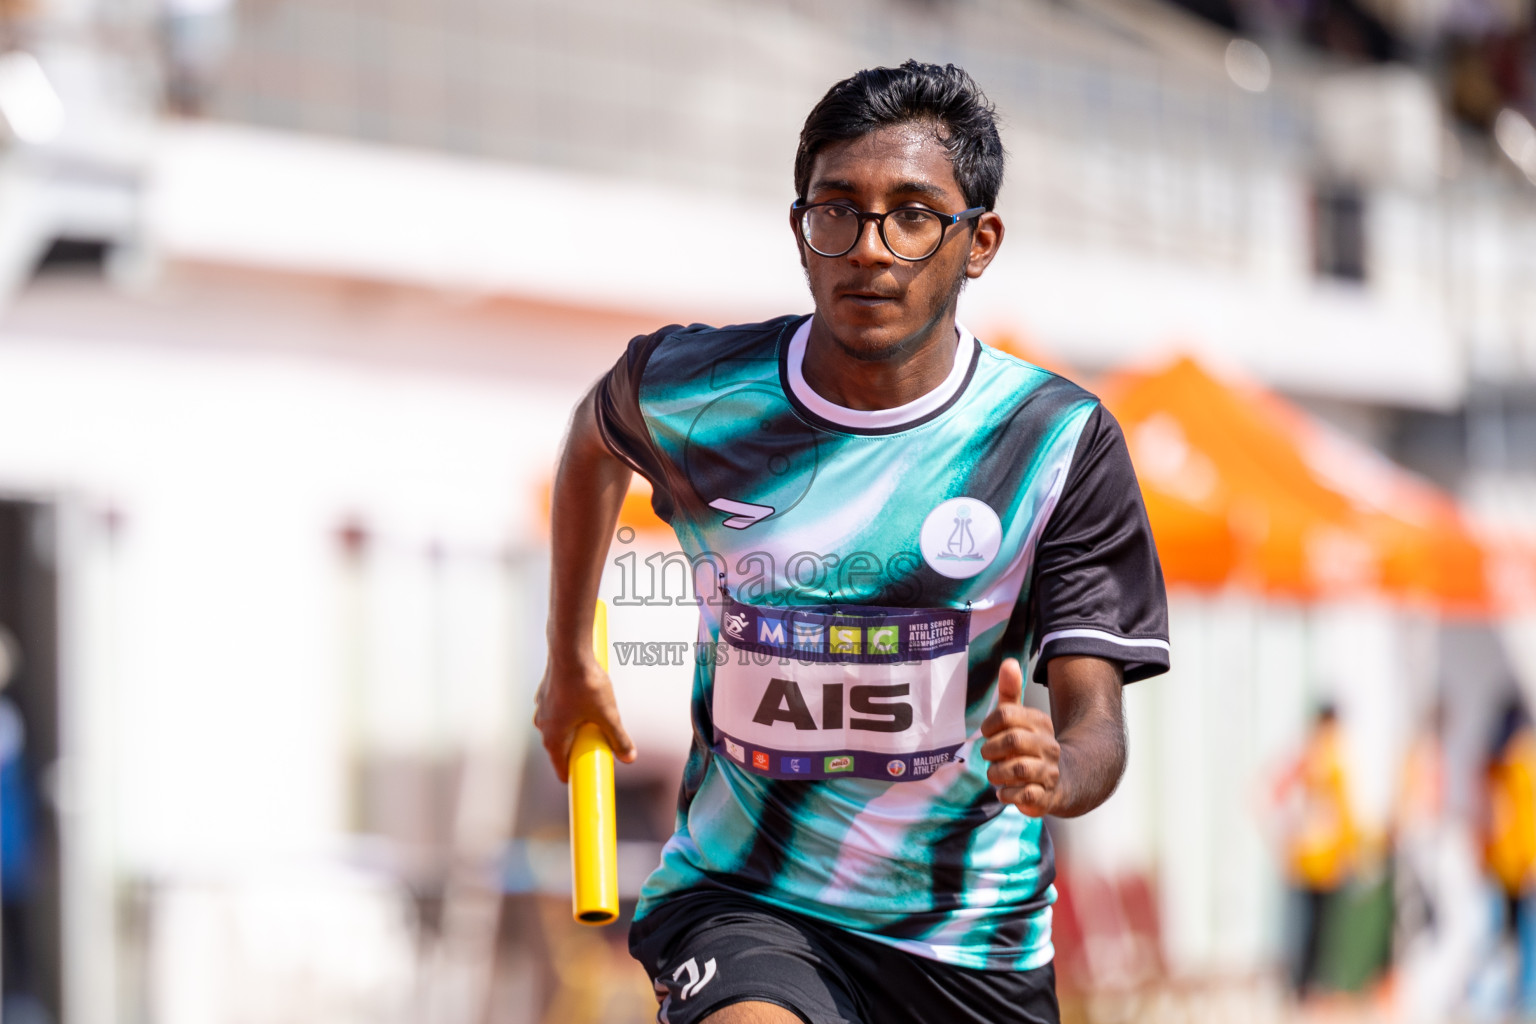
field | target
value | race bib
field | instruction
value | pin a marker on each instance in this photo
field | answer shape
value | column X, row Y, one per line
column 823, row 693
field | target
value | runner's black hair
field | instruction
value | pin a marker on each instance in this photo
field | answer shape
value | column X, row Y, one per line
column 883, row 97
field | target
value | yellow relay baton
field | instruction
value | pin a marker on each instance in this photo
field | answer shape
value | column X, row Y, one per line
column 594, row 838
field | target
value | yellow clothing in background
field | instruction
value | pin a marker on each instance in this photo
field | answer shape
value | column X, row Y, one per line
column 1511, row 840
column 1323, row 847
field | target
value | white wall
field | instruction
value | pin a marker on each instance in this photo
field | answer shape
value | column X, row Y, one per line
column 245, row 196
column 221, row 597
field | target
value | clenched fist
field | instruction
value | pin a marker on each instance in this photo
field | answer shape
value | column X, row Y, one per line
column 1022, row 748
column 576, row 690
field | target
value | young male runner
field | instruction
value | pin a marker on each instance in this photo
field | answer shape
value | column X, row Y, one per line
column 898, row 513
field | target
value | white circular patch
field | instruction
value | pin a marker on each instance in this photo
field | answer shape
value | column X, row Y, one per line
column 896, row 767
column 960, row 538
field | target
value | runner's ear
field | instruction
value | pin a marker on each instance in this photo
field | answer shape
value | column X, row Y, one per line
column 1010, row 683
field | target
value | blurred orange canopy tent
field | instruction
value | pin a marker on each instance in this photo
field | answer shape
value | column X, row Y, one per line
column 1243, row 488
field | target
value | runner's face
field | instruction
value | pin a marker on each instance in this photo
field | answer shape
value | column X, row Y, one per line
column 875, row 304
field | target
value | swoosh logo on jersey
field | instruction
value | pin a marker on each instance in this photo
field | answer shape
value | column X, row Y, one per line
column 741, row 513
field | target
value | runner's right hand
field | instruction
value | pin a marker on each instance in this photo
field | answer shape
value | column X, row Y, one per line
column 569, row 695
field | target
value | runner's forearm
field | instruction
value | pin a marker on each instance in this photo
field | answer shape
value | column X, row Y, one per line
column 1090, row 723
column 589, row 490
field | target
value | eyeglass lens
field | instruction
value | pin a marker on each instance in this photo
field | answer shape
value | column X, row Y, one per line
column 911, row 234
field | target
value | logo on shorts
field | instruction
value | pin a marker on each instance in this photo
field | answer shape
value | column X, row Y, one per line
column 795, row 765
column 840, row 763
column 736, row 624
column 695, row 982
column 760, row 760
column 960, row 538
column 897, row 768
column 736, row 750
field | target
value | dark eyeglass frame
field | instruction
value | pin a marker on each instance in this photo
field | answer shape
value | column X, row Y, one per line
column 947, row 221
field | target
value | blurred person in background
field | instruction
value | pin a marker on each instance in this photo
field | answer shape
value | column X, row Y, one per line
column 954, row 510
column 17, row 845
column 197, row 35
column 1509, row 841
column 1321, row 840
column 1418, row 816
column 1435, row 926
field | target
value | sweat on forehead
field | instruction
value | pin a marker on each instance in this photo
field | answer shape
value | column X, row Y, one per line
column 902, row 158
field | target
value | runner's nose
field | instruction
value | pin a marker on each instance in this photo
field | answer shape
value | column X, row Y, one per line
column 870, row 250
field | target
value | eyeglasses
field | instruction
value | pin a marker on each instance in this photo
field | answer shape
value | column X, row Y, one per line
column 910, row 232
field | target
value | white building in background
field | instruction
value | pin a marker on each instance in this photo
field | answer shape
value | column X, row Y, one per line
column 360, row 276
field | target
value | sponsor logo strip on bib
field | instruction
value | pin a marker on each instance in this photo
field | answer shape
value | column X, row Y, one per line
column 789, row 764
column 825, row 693
column 846, row 635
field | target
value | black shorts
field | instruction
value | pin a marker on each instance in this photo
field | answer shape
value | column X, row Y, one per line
column 707, row 949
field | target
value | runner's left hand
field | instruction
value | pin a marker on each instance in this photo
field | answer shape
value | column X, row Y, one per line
column 1021, row 746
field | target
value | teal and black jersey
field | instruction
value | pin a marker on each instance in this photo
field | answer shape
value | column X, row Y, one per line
column 874, row 569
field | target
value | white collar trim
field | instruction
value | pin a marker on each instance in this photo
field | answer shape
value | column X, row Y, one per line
column 877, row 419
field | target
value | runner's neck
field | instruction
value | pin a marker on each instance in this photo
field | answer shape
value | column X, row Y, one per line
column 874, row 385
column 924, row 403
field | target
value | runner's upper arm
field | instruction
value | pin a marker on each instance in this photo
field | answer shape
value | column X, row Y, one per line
column 621, row 422
column 1098, row 586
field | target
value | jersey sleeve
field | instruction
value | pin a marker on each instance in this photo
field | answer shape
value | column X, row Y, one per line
column 621, row 421
column 1098, row 587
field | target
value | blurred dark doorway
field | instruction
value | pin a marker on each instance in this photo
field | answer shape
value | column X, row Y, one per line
column 29, row 748
column 1339, row 232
